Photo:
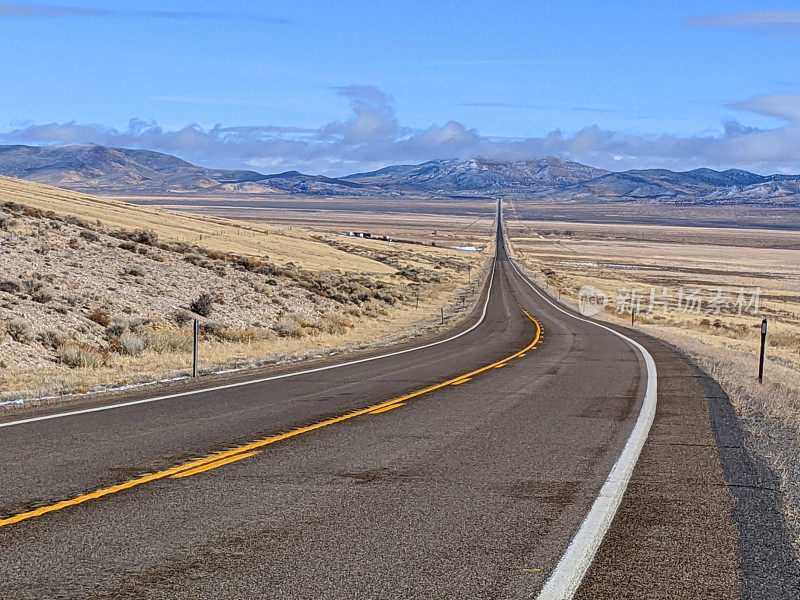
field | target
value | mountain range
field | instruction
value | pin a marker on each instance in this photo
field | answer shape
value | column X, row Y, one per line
column 121, row 171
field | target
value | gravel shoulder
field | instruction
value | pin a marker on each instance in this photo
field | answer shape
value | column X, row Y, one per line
column 695, row 466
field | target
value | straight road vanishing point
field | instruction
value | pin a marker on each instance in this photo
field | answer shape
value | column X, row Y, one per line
column 532, row 454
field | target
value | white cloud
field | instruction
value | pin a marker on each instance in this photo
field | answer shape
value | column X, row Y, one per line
column 22, row 9
column 373, row 117
column 763, row 21
column 785, row 107
column 17, row 9
column 372, row 137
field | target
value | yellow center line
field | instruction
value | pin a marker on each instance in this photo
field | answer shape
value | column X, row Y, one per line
column 194, row 465
column 213, row 465
column 387, row 408
column 460, row 381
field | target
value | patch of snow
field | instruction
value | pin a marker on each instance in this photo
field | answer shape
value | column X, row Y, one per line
column 579, row 264
column 612, row 266
column 13, row 402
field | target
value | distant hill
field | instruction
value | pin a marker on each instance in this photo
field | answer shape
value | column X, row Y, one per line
column 103, row 170
column 699, row 186
column 91, row 167
column 554, row 178
column 480, row 174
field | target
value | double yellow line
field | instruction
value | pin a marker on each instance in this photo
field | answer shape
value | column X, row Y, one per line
column 220, row 459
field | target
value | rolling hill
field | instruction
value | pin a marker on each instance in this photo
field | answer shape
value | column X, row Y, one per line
column 102, row 170
column 480, row 174
column 112, row 171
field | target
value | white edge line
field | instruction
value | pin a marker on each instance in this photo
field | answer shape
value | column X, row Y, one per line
column 570, row 570
column 263, row 379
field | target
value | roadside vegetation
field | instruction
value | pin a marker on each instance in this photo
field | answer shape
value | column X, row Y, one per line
column 720, row 263
column 87, row 304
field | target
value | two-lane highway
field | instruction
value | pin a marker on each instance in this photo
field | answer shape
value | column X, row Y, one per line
column 462, row 469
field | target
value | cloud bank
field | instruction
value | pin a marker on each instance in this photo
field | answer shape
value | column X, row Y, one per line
column 20, row 9
column 372, row 137
column 16, row 9
column 775, row 21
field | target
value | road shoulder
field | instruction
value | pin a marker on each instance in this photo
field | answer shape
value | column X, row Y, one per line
column 700, row 517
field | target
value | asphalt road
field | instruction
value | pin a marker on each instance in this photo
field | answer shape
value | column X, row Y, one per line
column 397, row 477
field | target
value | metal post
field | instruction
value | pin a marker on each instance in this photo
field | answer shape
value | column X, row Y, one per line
column 417, row 301
column 463, row 302
column 196, row 331
column 763, row 347
column 442, row 315
column 632, row 315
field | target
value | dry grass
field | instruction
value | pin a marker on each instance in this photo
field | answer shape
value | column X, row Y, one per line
column 314, row 292
column 280, row 244
column 443, row 229
column 169, row 350
column 416, row 224
column 564, row 257
column 699, row 262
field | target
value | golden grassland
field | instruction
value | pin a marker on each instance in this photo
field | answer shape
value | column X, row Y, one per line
column 441, row 229
column 563, row 257
column 319, row 325
column 280, row 244
column 664, row 265
column 245, row 348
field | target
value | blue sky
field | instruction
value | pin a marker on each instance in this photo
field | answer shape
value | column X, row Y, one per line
column 339, row 87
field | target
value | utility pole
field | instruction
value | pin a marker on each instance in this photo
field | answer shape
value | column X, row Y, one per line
column 763, row 348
